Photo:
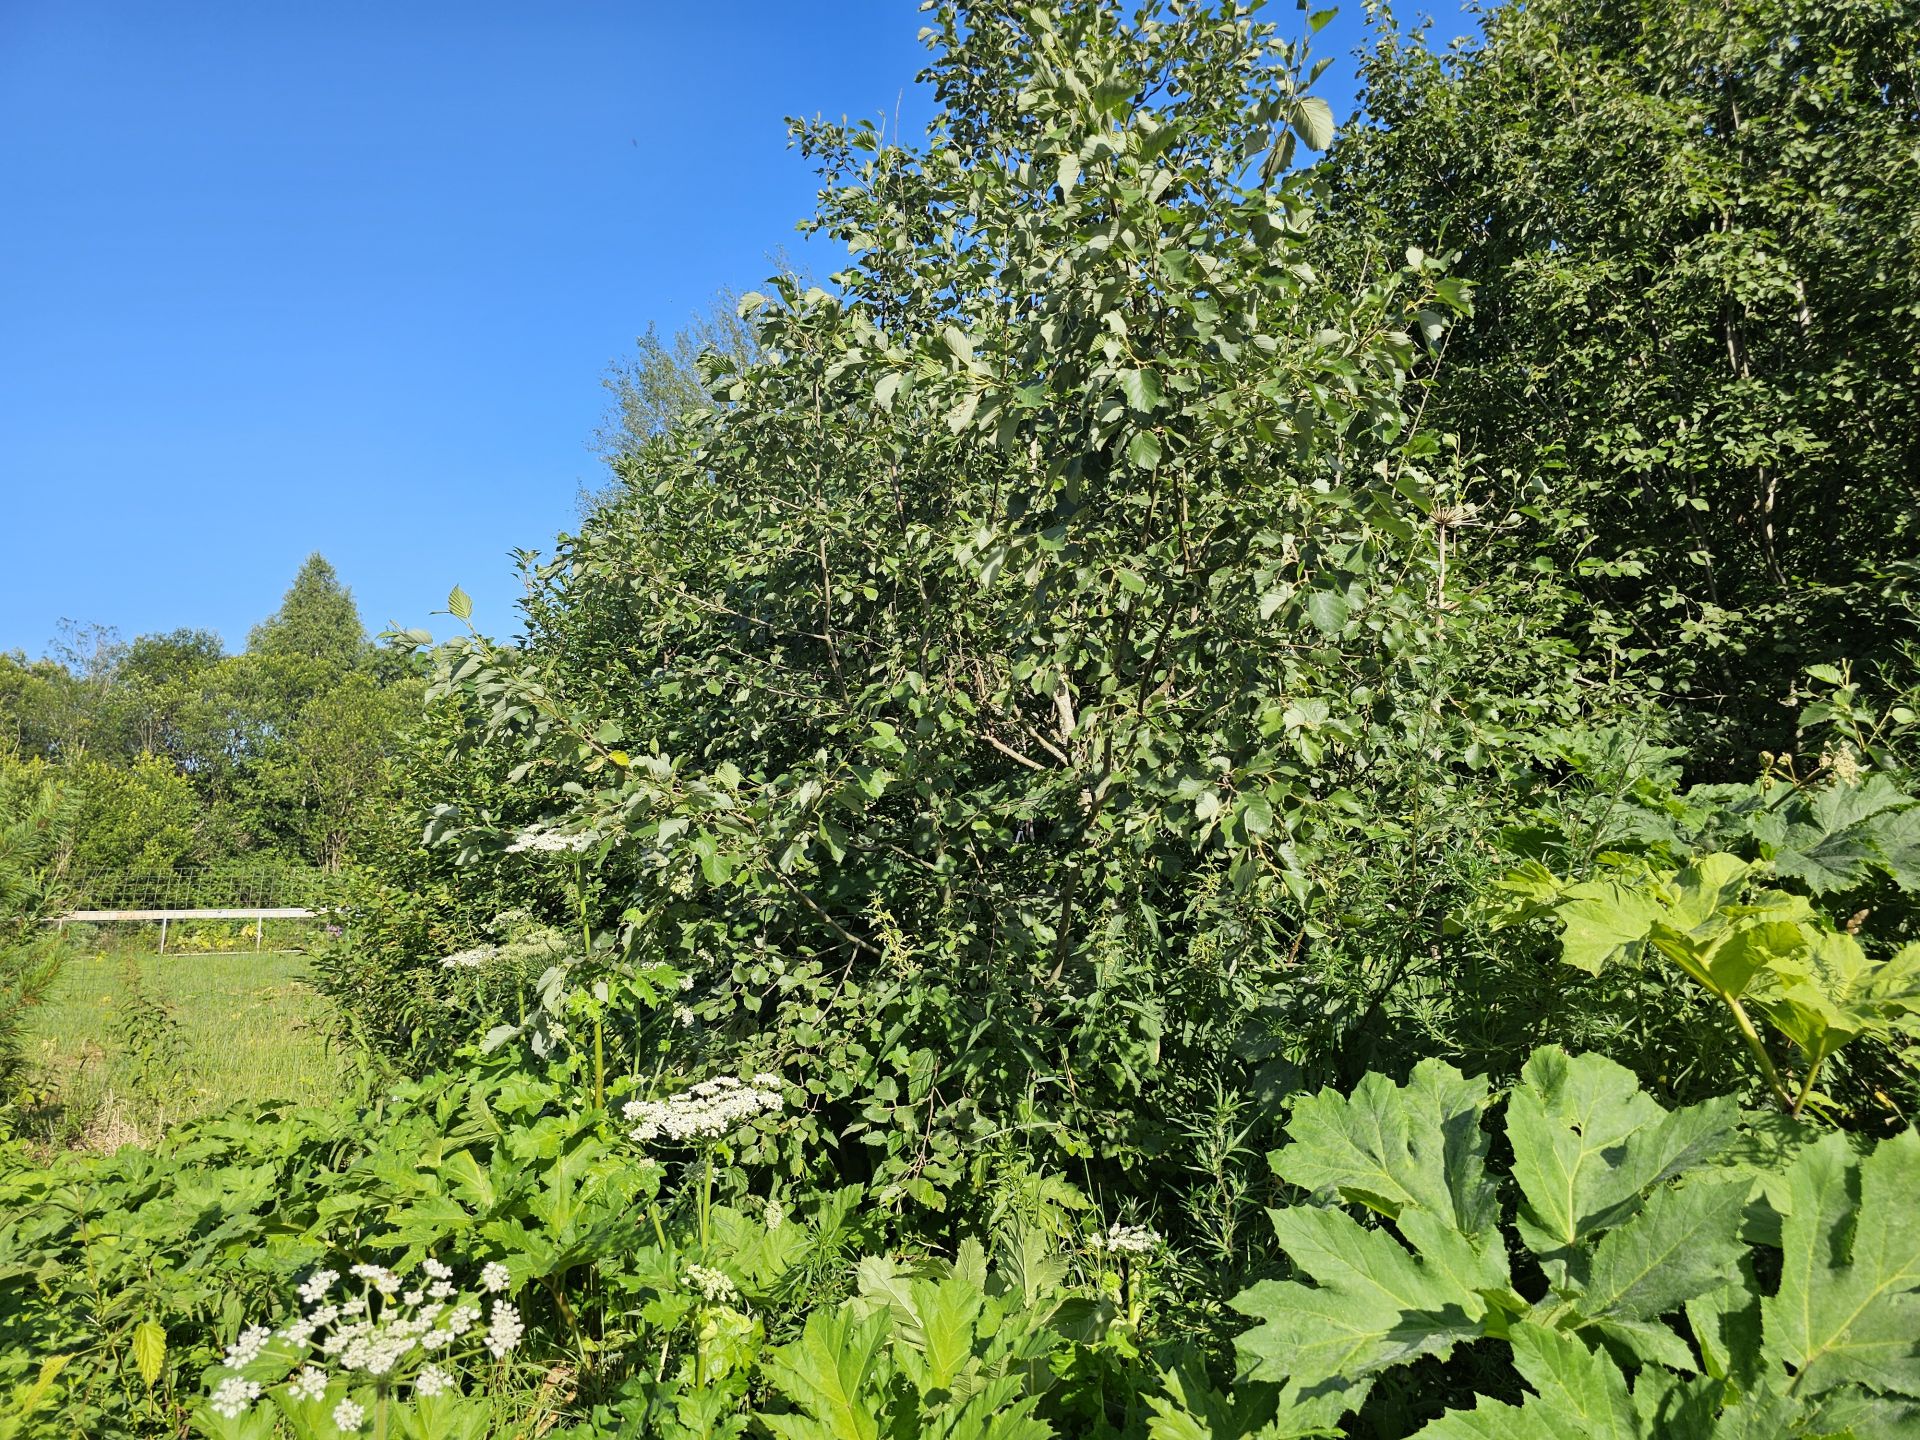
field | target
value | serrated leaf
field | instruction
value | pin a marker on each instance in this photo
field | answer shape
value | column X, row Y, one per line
column 1313, row 122
column 1848, row 1307
column 1603, row 921
column 1373, row 1303
column 459, row 605
column 1144, row 449
column 957, row 343
column 1576, row 1392
column 1388, row 1146
column 1142, row 389
column 825, row 1376
column 1588, row 1145
column 1328, row 610
column 150, row 1350
column 1682, row 1244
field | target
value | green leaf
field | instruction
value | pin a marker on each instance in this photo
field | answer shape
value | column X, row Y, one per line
column 1604, row 921
column 1142, row 389
column 1588, row 1145
column 1144, row 449
column 1848, row 1307
column 957, row 343
column 458, row 604
column 1313, row 122
column 1683, row 1244
column 825, row 1375
column 1328, row 610
column 150, row 1350
column 1577, row 1392
column 1388, row 1147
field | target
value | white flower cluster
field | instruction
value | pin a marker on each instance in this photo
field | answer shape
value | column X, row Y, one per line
column 504, row 1330
column 1127, row 1240
column 707, row 1111
column 244, row 1351
column 540, row 840
column 714, row 1287
column 375, row 1331
column 470, row 959
column 232, row 1397
column 776, row 1214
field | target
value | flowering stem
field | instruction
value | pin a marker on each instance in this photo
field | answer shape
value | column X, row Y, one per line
column 706, row 1200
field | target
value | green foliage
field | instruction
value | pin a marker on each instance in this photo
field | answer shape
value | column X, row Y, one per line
column 1638, row 1245
column 1676, row 219
column 1807, row 974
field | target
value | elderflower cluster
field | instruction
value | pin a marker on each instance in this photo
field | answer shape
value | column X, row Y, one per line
column 1127, row 1240
column 470, row 959
column 539, row 840
column 378, row 1324
column 713, row 1286
column 706, row 1112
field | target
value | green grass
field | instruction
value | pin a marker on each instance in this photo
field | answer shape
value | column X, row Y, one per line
column 226, row 1029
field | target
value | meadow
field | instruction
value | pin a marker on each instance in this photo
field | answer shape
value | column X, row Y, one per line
column 129, row 1042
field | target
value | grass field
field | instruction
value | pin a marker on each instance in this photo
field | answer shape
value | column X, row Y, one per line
column 129, row 1042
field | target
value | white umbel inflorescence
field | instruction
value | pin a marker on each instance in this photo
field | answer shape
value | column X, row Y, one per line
column 1127, row 1240
column 706, row 1112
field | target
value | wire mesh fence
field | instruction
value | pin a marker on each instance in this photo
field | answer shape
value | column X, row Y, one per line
column 213, row 886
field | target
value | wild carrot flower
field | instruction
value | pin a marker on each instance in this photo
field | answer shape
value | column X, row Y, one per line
column 504, row 1329
column 247, row 1348
column 713, row 1285
column 1127, row 1240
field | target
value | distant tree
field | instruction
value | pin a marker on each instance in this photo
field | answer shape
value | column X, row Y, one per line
column 317, row 620
column 662, row 380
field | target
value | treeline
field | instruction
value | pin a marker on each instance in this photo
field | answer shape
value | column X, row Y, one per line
column 174, row 755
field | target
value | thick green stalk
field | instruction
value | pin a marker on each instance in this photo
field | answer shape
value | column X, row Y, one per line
column 1759, row 1049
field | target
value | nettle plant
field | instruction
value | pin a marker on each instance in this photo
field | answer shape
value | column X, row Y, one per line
column 1640, row 1289
column 371, row 1353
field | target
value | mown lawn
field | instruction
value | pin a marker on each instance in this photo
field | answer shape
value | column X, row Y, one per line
column 129, row 1042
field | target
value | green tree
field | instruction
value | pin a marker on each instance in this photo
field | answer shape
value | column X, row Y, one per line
column 317, row 621
column 1693, row 346
column 1063, row 608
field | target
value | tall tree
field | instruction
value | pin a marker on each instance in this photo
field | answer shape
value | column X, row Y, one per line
column 317, row 620
column 1697, row 334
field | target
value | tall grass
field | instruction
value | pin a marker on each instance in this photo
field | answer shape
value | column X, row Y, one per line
column 128, row 1042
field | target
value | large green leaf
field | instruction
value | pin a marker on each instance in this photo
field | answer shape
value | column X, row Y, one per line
column 1388, row 1147
column 1683, row 1243
column 1588, row 1145
column 1848, row 1306
column 1577, row 1392
column 825, row 1376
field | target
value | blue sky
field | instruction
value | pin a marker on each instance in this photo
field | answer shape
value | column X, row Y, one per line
column 286, row 277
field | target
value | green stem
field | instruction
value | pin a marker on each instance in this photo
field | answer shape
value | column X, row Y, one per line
column 586, row 956
column 1800, row 1101
column 706, row 1201
column 1759, row 1049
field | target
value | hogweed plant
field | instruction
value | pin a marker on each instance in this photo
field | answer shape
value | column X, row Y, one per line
column 371, row 1352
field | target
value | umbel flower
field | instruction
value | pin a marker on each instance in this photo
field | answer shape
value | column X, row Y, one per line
column 386, row 1327
column 543, row 840
column 1127, row 1240
column 707, row 1111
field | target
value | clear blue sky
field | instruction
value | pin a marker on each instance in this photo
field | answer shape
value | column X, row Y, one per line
column 283, row 277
